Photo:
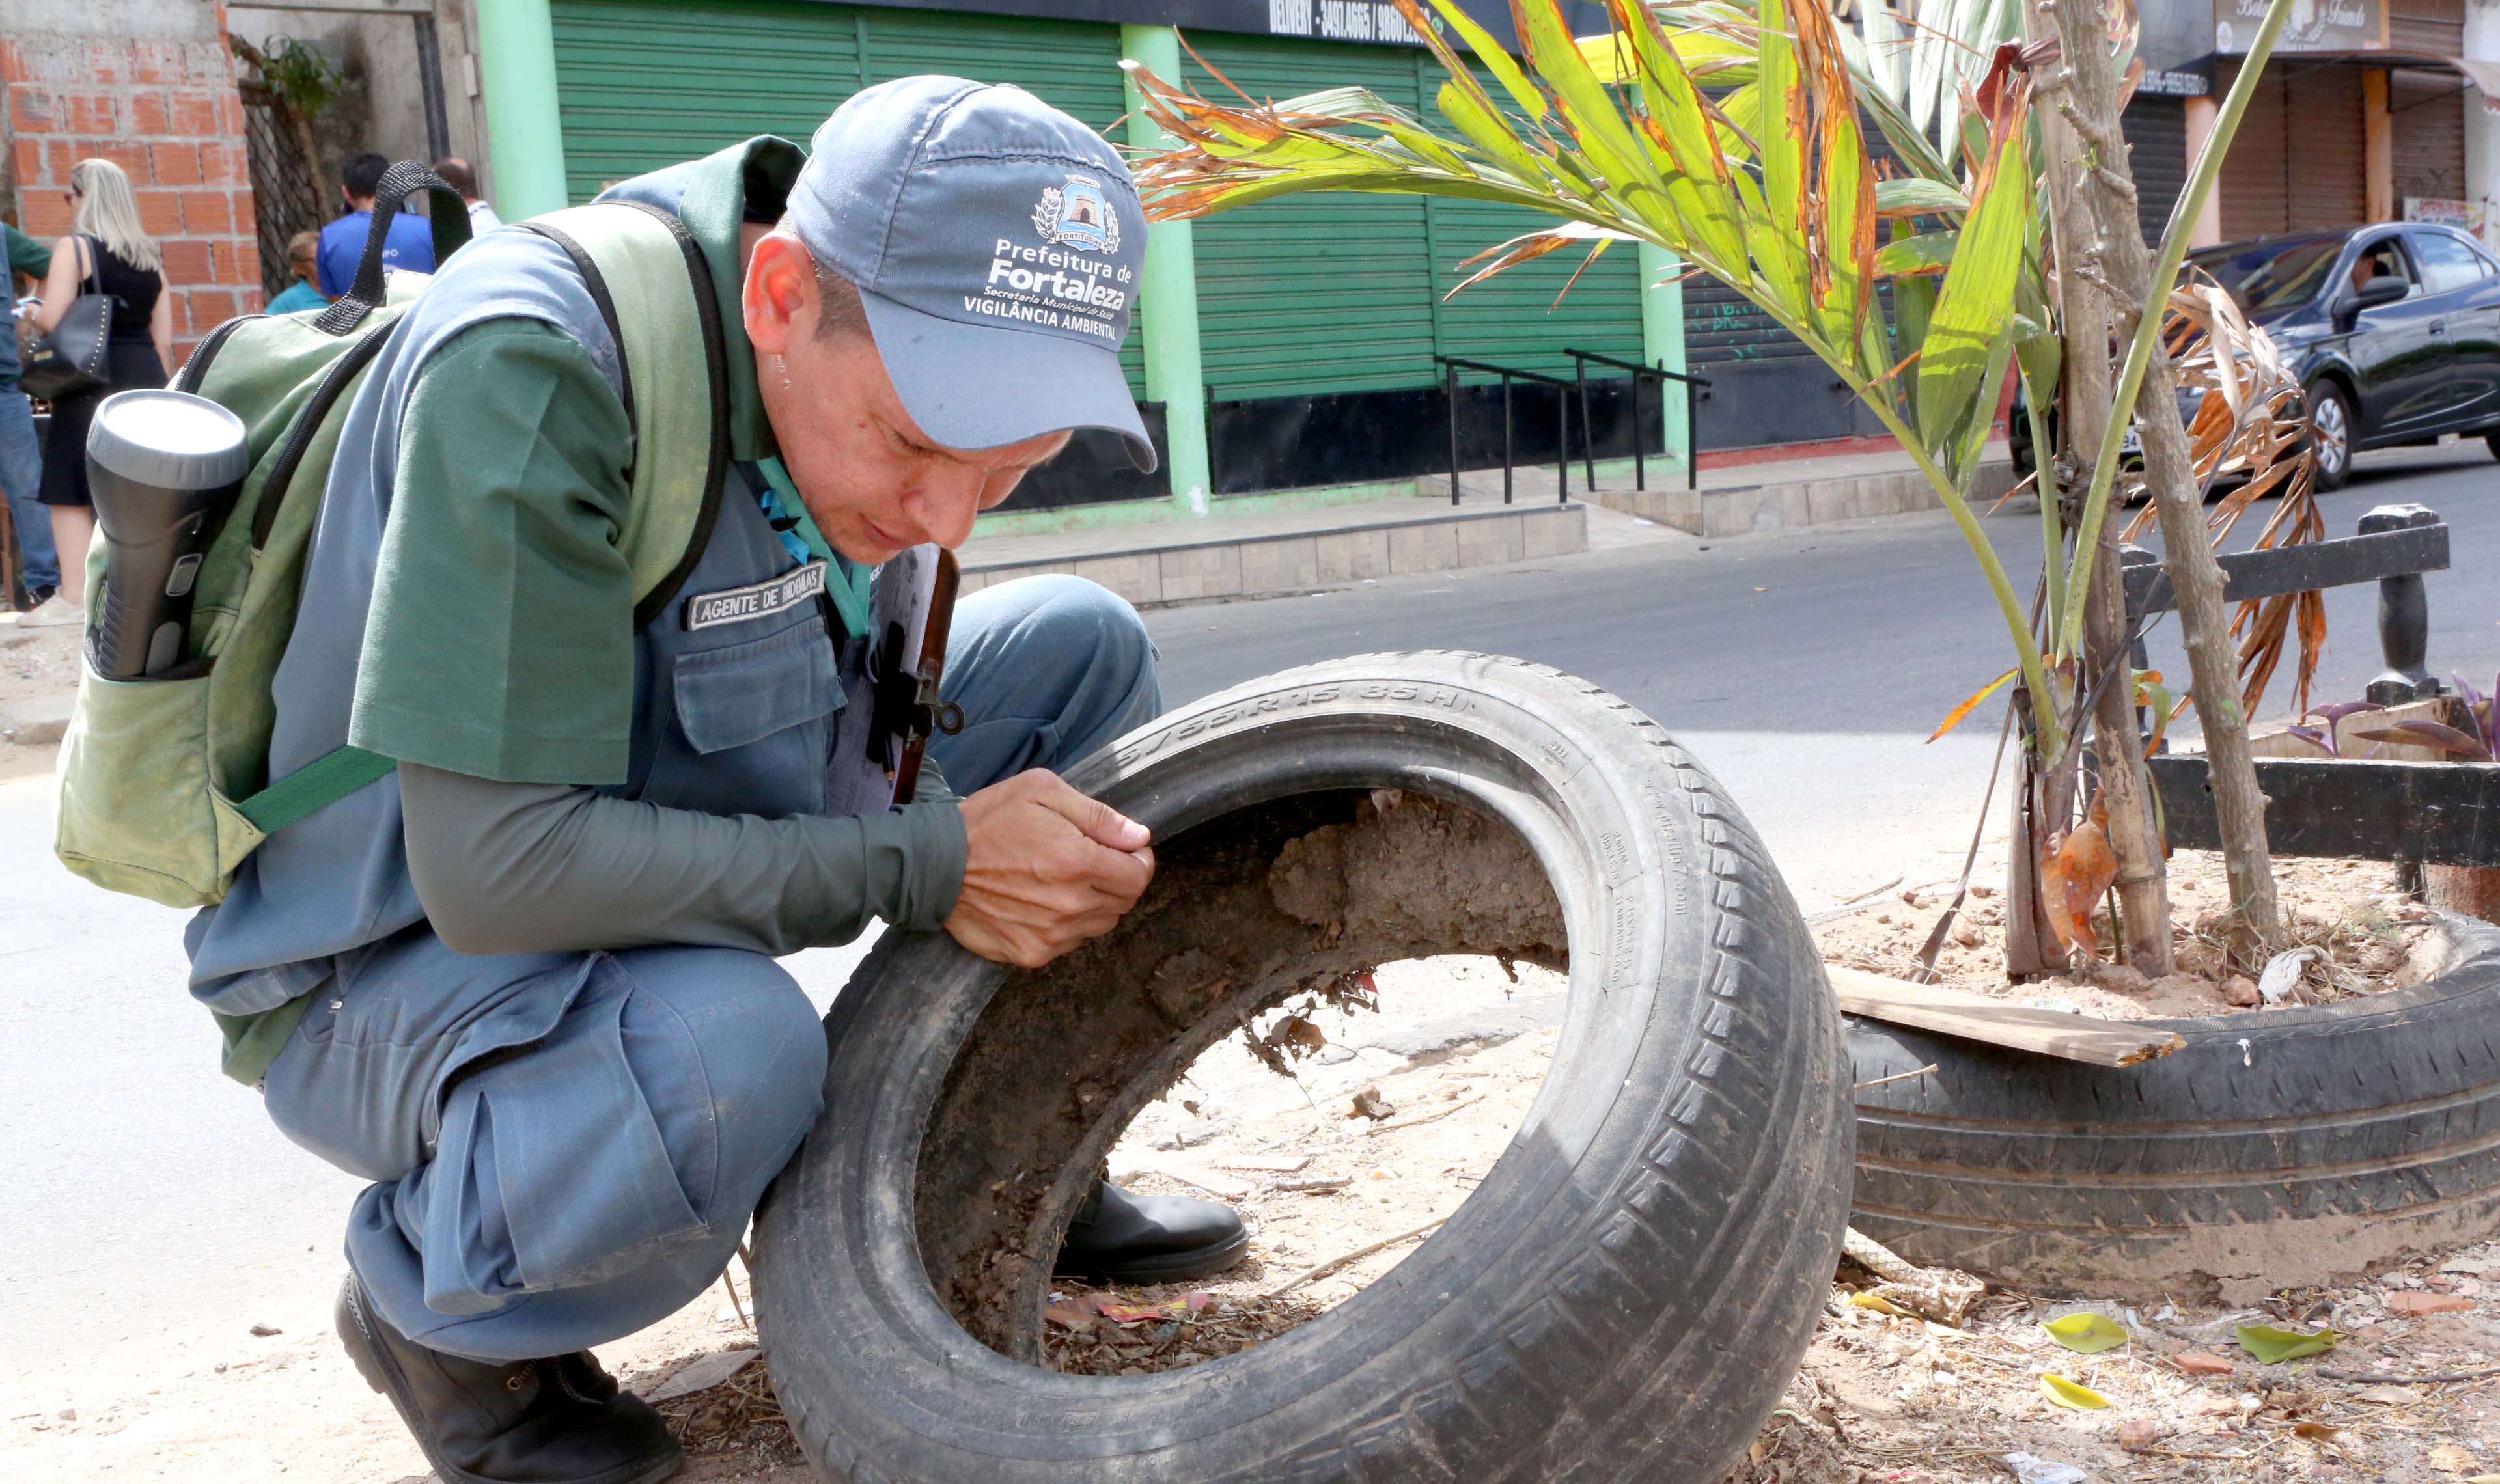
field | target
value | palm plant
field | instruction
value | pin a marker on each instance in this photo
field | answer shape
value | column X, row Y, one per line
column 1768, row 188
column 1732, row 139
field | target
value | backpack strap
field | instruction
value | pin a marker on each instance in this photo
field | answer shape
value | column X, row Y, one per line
column 314, row 786
column 653, row 286
column 450, row 218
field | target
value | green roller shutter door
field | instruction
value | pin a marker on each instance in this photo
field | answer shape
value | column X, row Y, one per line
column 1318, row 294
column 640, row 85
column 1514, row 318
column 643, row 85
column 1068, row 65
column 1338, row 293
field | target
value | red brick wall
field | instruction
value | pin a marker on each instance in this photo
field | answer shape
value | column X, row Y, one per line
column 166, row 112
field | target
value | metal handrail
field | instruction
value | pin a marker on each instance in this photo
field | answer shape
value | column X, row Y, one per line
column 1563, row 429
column 1580, row 360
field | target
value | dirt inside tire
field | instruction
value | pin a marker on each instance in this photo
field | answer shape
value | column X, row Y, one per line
column 1247, row 913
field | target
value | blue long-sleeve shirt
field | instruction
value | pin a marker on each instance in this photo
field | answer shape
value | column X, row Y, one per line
column 409, row 246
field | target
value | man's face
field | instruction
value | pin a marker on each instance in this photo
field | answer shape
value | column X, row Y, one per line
column 874, row 483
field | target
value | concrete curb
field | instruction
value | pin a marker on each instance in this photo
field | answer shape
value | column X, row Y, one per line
column 1251, row 566
column 1736, row 510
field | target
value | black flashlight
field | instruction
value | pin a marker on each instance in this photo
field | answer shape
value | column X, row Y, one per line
column 161, row 465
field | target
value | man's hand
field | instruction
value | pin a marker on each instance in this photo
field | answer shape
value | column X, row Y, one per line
column 1045, row 868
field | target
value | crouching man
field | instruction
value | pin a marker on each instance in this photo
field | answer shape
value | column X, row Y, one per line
column 525, row 984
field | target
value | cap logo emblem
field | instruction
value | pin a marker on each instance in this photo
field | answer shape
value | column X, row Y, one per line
column 1077, row 216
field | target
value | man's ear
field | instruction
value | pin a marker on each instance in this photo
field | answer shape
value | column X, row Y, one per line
column 780, row 300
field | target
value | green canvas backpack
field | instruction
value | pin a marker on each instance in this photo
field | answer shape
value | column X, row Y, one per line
column 164, row 781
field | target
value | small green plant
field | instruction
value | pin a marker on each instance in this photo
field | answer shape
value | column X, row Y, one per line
column 299, row 74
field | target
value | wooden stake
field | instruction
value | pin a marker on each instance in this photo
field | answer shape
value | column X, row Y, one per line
column 2104, row 181
column 2144, row 895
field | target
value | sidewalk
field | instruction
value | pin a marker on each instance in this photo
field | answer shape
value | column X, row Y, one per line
column 1295, row 550
column 1792, row 492
column 1298, row 550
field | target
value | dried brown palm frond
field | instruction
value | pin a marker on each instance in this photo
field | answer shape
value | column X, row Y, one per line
column 2252, row 425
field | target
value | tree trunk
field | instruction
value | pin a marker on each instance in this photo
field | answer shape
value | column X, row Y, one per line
column 327, row 199
column 2044, row 804
column 2143, row 891
column 2108, row 189
column 2143, row 886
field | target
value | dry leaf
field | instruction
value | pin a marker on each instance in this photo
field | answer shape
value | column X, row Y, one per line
column 2071, row 1393
column 2386, row 1395
column 2274, row 1346
column 2076, row 870
column 1171, row 1308
column 2087, row 1333
column 2449, row 1458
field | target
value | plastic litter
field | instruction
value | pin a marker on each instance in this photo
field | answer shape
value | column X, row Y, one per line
column 2041, row 1470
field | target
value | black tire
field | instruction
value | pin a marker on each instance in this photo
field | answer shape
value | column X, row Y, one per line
column 2278, row 1148
column 2491, row 441
column 1625, row 1295
column 2334, row 434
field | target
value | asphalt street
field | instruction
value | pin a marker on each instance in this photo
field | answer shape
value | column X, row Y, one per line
column 145, row 1203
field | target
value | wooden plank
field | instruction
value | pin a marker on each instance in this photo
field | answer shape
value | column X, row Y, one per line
column 2278, row 741
column 2306, row 568
column 1966, row 1016
column 2435, row 813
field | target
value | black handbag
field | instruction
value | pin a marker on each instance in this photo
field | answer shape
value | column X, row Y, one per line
column 72, row 357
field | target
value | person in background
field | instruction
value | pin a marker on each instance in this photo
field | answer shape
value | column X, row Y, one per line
column 411, row 246
column 22, row 456
column 457, row 175
column 301, row 250
column 105, row 248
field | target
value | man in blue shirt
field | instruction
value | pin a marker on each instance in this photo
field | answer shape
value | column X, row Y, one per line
column 342, row 241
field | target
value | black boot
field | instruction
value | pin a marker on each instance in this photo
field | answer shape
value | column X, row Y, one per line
column 1120, row 1237
column 560, row 1421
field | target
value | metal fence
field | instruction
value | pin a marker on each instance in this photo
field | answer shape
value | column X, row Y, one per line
column 284, row 199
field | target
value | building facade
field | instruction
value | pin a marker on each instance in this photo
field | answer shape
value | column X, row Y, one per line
column 1285, row 346
column 2369, row 111
column 150, row 87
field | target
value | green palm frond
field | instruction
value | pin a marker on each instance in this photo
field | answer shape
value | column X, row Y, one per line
column 1773, row 193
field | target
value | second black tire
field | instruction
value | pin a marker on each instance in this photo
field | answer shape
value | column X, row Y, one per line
column 2278, row 1148
column 1624, row 1296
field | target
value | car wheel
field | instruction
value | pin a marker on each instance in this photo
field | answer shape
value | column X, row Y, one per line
column 1624, row 1294
column 2278, row 1148
column 2330, row 433
column 2491, row 441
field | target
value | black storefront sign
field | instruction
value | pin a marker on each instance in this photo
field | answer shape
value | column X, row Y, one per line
column 1375, row 22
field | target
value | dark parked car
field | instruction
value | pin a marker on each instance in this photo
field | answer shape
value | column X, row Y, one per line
column 2394, row 330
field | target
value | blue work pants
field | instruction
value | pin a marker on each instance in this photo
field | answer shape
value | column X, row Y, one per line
column 21, row 476
column 566, row 1147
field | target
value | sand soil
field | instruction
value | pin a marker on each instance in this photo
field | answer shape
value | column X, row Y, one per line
column 2372, row 936
column 1337, row 1195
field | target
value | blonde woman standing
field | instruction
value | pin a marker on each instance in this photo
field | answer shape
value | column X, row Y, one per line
column 106, row 253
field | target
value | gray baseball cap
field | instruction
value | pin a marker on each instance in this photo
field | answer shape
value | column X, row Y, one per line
column 998, row 245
